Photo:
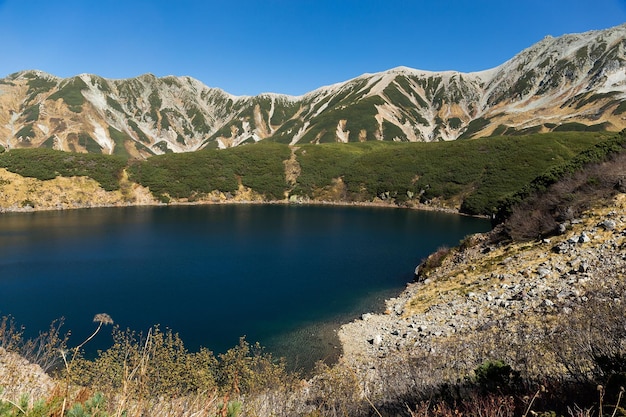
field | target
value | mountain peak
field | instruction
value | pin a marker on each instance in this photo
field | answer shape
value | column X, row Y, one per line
column 575, row 81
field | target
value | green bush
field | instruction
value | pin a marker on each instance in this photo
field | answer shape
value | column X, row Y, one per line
column 598, row 152
column 496, row 376
column 184, row 175
column 46, row 164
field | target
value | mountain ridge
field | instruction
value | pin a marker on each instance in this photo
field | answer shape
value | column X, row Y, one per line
column 571, row 82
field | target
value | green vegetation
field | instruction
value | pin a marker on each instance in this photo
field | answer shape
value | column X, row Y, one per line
column 392, row 132
column 579, row 127
column 621, row 108
column 287, row 131
column 153, row 373
column 141, row 374
column 524, row 84
column 474, row 126
column 283, row 112
column 38, row 85
column 142, row 136
column 162, row 146
column 404, row 83
column 187, row 175
column 455, row 122
column 321, row 164
column 479, row 172
column 155, row 105
column 165, row 121
column 31, row 114
column 89, row 143
column 114, row 104
column 198, row 121
column 27, row 132
column 70, row 93
column 45, row 164
column 49, row 143
column 595, row 154
column 120, row 139
column 359, row 116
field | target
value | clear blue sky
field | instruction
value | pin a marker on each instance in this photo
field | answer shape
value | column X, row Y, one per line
column 285, row 46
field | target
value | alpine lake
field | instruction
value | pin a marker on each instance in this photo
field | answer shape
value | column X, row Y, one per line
column 286, row 276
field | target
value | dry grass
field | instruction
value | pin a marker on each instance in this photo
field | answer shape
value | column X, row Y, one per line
column 21, row 193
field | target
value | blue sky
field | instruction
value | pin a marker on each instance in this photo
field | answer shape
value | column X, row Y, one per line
column 283, row 46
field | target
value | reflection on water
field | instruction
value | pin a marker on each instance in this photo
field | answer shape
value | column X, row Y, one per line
column 282, row 275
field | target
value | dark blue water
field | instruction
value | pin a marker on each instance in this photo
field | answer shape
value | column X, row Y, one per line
column 285, row 276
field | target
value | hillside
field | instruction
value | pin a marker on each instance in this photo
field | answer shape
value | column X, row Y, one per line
column 571, row 83
column 473, row 177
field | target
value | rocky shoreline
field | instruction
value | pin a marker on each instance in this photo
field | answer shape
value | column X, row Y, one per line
column 487, row 286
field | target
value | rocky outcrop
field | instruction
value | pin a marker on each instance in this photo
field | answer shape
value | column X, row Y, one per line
column 19, row 377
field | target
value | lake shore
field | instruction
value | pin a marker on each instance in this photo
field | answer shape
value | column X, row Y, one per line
column 380, row 204
column 23, row 194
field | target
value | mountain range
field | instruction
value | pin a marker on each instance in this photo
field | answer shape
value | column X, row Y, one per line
column 571, row 82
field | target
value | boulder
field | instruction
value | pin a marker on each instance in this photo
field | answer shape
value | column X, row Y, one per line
column 608, row 224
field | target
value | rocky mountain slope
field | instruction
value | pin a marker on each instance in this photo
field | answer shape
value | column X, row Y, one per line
column 573, row 82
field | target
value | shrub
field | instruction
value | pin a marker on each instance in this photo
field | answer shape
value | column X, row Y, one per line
column 496, row 376
column 565, row 191
column 45, row 164
column 433, row 261
column 42, row 350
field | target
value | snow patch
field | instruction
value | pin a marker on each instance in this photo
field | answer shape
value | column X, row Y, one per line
column 300, row 133
column 614, row 81
column 321, row 109
column 271, row 114
column 102, row 138
column 380, row 83
column 45, row 129
column 342, row 134
column 96, row 97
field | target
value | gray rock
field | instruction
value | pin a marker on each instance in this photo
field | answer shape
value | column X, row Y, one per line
column 543, row 272
column 561, row 248
column 608, row 224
